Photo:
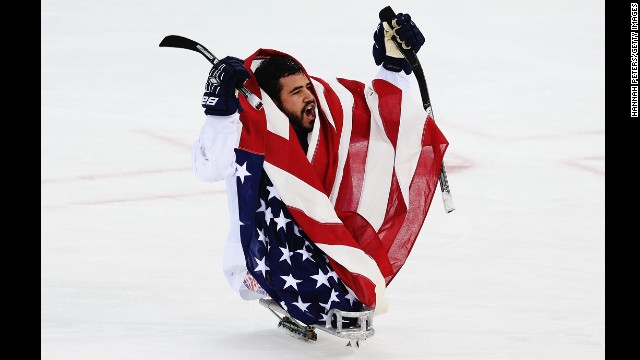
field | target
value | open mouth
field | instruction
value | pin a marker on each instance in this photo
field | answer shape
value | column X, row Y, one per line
column 310, row 111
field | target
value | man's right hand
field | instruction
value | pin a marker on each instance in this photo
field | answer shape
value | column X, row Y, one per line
column 220, row 96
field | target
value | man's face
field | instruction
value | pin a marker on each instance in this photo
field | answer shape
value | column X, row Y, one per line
column 297, row 102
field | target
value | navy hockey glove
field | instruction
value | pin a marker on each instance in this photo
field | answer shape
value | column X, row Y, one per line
column 407, row 34
column 220, row 95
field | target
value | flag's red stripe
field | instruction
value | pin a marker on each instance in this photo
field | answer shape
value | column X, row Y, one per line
column 423, row 187
column 325, row 156
column 389, row 107
column 367, row 239
column 288, row 155
column 353, row 173
column 254, row 129
column 394, row 217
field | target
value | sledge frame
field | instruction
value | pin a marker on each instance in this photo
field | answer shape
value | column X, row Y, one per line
column 362, row 331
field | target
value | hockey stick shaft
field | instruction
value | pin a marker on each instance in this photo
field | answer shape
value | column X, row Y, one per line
column 387, row 15
column 177, row 41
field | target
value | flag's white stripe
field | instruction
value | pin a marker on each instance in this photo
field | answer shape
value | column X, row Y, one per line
column 322, row 101
column 346, row 100
column 300, row 195
column 412, row 119
column 313, row 138
column 315, row 133
column 358, row 262
column 255, row 63
column 378, row 169
column 277, row 122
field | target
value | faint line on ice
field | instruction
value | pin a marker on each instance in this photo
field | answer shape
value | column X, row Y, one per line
column 136, row 199
column 164, row 138
column 113, row 175
column 491, row 136
column 580, row 164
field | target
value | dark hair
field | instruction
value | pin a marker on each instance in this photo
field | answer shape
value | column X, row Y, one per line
column 271, row 70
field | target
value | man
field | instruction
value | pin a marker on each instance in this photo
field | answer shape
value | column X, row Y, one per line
column 291, row 90
column 308, row 228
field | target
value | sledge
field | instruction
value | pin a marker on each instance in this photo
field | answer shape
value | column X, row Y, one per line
column 360, row 332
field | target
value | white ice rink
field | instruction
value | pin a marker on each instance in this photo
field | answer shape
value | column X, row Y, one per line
column 132, row 241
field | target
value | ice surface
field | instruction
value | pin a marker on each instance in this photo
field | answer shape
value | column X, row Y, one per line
column 132, row 241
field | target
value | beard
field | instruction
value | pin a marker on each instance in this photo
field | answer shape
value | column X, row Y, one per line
column 303, row 120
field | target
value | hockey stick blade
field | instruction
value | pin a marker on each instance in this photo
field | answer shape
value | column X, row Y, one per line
column 177, row 41
column 387, row 15
column 181, row 42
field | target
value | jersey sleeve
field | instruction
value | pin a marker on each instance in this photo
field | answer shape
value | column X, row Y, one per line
column 213, row 156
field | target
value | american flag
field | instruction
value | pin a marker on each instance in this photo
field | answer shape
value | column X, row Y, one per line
column 332, row 228
column 279, row 255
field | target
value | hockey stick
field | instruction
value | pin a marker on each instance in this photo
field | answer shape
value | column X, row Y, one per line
column 388, row 15
column 177, row 41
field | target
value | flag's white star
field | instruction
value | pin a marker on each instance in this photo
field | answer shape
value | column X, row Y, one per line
column 351, row 296
column 286, row 254
column 241, row 171
column 284, row 306
column 303, row 306
column 305, row 254
column 324, row 317
column 290, row 281
column 262, row 266
column 262, row 206
column 327, row 306
column 326, row 258
column 321, row 278
column 273, row 193
column 307, row 243
column 282, row 221
column 261, row 237
column 333, row 275
column 268, row 215
column 334, row 296
column 296, row 230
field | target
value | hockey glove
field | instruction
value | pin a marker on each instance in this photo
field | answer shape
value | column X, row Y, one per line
column 220, row 94
column 406, row 33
